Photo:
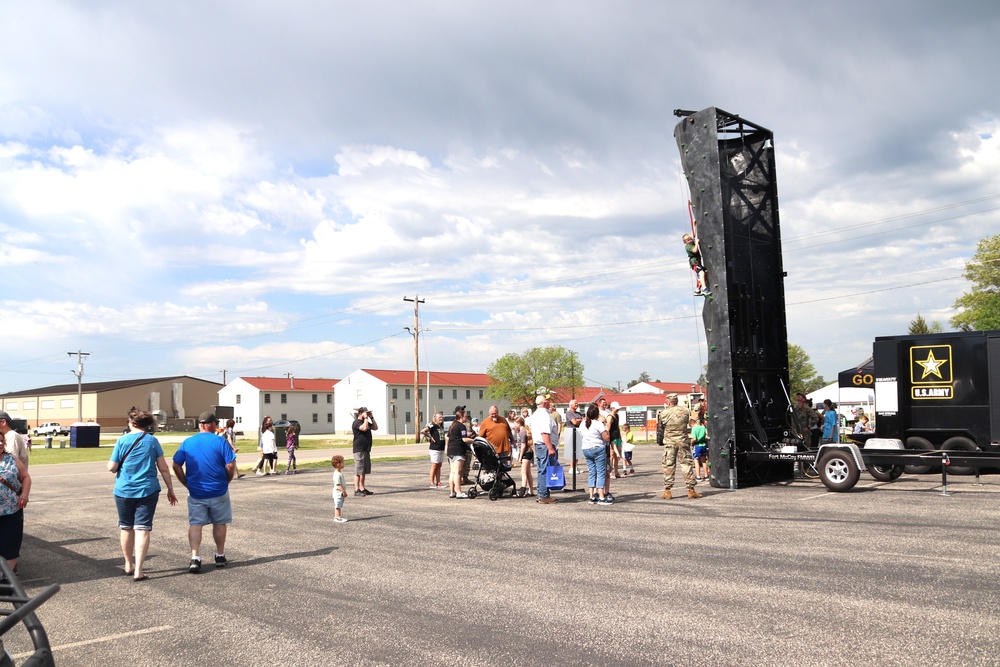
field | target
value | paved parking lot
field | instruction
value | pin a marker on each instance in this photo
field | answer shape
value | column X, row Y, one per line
column 887, row 574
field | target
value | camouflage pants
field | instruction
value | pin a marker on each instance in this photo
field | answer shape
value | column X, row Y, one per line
column 672, row 455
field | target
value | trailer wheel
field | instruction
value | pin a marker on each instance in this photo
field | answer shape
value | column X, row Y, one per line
column 838, row 471
column 919, row 444
column 885, row 473
column 960, row 444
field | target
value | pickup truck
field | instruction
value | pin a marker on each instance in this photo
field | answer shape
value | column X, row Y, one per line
column 51, row 428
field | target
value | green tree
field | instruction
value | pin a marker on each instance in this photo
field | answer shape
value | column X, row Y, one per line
column 981, row 305
column 515, row 377
column 643, row 377
column 920, row 326
column 802, row 374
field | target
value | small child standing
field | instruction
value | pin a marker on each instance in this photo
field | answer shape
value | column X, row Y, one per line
column 627, row 447
column 291, row 444
column 339, row 488
column 699, row 449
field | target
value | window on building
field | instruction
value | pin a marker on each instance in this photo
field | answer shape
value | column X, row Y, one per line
column 480, row 394
column 329, row 398
column 239, row 420
column 48, row 405
column 440, row 393
column 284, row 399
column 315, row 418
column 395, row 393
column 480, row 415
column 284, row 415
column 67, row 402
column 239, row 399
column 468, row 393
column 267, row 398
column 406, row 394
column 407, row 420
column 420, row 394
column 454, row 393
column 315, row 398
column 329, row 417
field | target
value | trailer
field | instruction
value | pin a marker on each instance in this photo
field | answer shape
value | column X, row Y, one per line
column 937, row 406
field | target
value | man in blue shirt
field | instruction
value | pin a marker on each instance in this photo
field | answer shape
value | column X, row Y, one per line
column 205, row 464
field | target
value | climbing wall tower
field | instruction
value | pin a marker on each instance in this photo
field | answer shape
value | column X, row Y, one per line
column 729, row 166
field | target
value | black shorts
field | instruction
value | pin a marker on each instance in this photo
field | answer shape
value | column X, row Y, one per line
column 529, row 454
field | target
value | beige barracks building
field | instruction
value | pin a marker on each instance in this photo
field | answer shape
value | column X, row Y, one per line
column 107, row 403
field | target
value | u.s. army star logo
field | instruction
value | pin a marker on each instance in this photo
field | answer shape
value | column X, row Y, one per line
column 931, row 363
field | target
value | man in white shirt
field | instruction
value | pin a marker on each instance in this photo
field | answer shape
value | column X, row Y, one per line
column 13, row 441
column 543, row 428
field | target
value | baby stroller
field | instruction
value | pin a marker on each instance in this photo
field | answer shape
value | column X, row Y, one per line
column 493, row 476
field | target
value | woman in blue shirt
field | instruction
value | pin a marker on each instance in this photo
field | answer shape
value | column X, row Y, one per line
column 831, row 432
column 136, row 458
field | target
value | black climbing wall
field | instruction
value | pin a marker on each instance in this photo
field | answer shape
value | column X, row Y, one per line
column 729, row 166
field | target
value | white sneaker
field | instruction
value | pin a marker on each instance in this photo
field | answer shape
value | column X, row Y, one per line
column 339, row 519
column 462, row 495
column 260, row 474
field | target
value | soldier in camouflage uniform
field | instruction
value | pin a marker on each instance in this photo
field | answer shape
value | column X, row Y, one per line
column 676, row 447
column 804, row 416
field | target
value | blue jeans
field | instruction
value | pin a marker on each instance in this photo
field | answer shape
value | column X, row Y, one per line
column 542, row 458
column 597, row 466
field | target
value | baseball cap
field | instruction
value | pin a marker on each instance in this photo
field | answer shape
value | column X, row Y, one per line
column 671, row 395
column 208, row 417
column 362, row 409
column 615, row 405
column 459, row 408
column 4, row 415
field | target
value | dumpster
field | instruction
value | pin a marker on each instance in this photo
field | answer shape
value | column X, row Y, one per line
column 85, row 435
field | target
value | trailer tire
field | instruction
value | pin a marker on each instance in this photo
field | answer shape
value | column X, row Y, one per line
column 921, row 444
column 885, row 473
column 960, row 444
column 838, row 471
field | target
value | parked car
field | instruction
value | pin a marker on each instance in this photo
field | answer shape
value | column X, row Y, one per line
column 51, row 428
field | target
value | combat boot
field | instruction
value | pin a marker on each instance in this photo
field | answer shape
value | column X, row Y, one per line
column 694, row 494
column 666, row 495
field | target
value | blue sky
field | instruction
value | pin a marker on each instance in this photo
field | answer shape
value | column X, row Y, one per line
column 189, row 187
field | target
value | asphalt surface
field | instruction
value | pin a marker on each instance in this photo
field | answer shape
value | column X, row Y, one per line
column 887, row 574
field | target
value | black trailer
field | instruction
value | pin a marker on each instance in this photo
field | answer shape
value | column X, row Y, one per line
column 937, row 406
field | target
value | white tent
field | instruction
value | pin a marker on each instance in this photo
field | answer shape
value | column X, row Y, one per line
column 848, row 399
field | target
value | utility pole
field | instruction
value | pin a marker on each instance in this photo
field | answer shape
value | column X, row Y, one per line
column 223, row 377
column 79, row 381
column 416, row 359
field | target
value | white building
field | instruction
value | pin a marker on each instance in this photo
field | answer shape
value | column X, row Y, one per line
column 389, row 392
column 307, row 401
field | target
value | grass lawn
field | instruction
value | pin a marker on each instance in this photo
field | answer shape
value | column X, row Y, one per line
column 41, row 456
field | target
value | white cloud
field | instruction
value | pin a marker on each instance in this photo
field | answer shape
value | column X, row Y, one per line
column 170, row 178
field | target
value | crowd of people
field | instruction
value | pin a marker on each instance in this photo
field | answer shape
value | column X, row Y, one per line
column 205, row 464
column 530, row 442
